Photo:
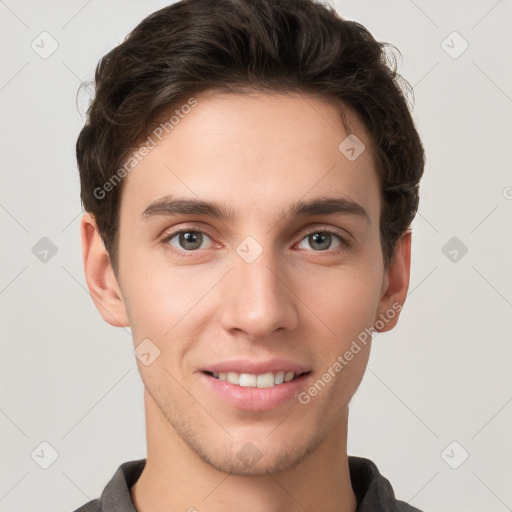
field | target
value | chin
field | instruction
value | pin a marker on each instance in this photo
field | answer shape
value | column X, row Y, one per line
column 252, row 457
column 259, row 464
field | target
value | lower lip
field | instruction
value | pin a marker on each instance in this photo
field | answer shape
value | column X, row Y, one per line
column 255, row 399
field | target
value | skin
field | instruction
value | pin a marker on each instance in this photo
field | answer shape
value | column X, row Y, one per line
column 257, row 154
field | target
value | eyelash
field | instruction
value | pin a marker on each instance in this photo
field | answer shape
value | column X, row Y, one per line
column 344, row 244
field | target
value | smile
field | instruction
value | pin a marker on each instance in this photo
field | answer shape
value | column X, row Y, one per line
column 249, row 380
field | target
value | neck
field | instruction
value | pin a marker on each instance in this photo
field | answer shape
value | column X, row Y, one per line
column 176, row 479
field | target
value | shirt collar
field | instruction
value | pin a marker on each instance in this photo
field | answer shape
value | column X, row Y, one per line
column 373, row 492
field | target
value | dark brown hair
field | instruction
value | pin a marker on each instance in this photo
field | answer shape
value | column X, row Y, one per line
column 193, row 46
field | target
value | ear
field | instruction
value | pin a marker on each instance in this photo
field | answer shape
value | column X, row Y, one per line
column 395, row 285
column 101, row 281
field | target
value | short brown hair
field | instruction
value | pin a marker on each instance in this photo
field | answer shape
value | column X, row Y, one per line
column 301, row 46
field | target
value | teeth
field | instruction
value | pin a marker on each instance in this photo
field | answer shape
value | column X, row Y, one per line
column 248, row 380
column 266, row 380
column 288, row 377
column 233, row 378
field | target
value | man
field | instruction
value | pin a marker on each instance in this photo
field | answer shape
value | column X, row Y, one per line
column 250, row 170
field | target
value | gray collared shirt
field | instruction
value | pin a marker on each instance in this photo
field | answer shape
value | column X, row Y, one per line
column 373, row 492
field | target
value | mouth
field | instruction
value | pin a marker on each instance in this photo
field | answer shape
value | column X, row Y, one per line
column 256, row 392
column 262, row 380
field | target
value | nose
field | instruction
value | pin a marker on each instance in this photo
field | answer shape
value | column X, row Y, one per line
column 257, row 298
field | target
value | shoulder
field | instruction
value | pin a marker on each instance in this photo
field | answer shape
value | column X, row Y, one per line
column 92, row 506
column 116, row 495
column 373, row 491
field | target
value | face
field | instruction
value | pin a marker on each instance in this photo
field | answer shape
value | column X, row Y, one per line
column 255, row 284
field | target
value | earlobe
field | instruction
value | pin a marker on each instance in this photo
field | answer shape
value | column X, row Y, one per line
column 395, row 285
column 101, row 281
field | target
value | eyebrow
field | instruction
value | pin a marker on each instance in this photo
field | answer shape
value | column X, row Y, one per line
column 170, row 205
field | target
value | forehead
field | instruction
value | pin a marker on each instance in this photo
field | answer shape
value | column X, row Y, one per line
column 255, row 152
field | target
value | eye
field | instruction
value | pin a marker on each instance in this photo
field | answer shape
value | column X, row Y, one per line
column 322, row 240
column 186, row 240
column 191, row 240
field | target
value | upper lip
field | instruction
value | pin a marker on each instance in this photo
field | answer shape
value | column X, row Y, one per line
column 256, row 367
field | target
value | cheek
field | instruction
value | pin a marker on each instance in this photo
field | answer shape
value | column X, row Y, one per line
column 161, row 298
column 342, row 301
column 346, row 311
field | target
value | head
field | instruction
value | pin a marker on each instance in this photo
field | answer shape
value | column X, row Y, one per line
column 287, row 127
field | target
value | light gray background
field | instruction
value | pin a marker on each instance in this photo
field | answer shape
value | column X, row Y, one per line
column 443, row 375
